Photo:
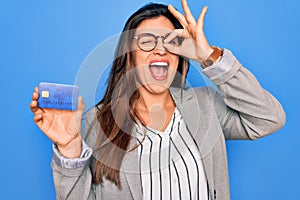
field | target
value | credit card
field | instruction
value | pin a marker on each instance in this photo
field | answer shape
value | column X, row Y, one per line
column 58, row 96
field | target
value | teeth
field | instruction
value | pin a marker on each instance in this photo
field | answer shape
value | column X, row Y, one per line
column 163, row 64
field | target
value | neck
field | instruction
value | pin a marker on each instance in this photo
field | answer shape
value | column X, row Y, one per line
column 155, row 110
column 149, row 100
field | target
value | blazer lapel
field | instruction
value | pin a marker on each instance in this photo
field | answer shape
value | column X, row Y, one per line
column 195, row 113
column 197, row 116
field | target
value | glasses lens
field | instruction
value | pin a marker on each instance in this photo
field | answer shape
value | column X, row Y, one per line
column 175, row 41
column 147, row 42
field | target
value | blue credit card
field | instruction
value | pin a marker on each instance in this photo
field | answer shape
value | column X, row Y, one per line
column 58, row 96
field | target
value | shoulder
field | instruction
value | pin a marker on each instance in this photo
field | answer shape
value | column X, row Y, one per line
column 91, row 114
column 91, row 126
column 201, row 90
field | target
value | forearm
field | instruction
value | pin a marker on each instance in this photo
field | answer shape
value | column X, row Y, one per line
column 72, row 177
column 250, row 107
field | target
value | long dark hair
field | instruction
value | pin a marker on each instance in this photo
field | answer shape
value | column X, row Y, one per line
column 116, row 111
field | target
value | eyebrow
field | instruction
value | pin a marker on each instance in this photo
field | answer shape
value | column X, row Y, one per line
column 166, row 34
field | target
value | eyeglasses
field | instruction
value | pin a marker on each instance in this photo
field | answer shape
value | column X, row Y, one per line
column 148, row 41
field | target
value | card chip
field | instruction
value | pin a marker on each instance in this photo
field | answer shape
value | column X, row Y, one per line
column 45, row 94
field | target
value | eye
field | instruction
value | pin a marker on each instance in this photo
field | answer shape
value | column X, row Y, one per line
column 146, row 40
column 174, row 42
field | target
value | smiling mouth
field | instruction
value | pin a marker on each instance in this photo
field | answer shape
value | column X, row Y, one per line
column 159, row 70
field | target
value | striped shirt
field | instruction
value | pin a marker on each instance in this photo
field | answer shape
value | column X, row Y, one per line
column 170, row 164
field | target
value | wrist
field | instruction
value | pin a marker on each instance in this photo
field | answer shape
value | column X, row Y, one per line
column 214, row 56
column 72, row 149
column 209, row 52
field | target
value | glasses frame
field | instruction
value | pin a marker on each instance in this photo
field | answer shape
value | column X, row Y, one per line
column 138, row 37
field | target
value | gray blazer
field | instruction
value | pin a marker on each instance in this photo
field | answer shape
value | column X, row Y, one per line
column 241, row 110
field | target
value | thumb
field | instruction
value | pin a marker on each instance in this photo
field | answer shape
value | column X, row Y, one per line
column 80, row 104
column 78, row 114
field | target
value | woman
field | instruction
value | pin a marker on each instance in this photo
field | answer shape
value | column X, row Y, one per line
column 151, row 137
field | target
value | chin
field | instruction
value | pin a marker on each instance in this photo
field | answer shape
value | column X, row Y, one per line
column 157, row 88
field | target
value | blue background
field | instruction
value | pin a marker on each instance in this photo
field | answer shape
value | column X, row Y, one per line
column 49, row 40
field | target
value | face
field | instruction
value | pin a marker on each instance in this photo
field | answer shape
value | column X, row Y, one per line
column 156, row 67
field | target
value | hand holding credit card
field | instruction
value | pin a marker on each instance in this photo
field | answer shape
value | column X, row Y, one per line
column 58, row 96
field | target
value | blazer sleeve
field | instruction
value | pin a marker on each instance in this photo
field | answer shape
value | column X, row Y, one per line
column 73, row 177
column 245, row 109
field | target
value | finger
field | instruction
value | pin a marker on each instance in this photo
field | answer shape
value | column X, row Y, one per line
column 187, row 12
column 35, row 96
column 35, row 108
column 178, row 15
column 201, row 17
column 177, row 32
column 38, row 120
column 173, row 49
column 34, row 103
